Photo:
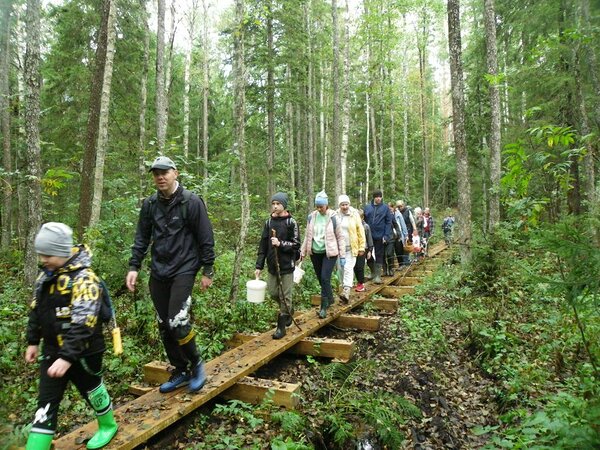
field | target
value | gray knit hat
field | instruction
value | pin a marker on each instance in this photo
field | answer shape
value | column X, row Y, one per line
column 280, row 197
column 54, row 239
column 321, row 199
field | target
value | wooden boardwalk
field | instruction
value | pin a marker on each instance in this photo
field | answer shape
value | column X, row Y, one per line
column 151, row 413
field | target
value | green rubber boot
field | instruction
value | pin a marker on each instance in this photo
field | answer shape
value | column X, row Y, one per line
column 324, row 305
column 377, row 274
column 39, row 441
column 107, row 426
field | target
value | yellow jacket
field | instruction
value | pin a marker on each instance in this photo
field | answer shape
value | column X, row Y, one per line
column 356, row 231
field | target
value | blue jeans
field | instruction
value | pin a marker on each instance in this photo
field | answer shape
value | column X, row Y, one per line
column 324, row 268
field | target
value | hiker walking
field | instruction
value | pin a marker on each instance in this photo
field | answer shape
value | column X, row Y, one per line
column 359, row 267
column 379, row 218
column 174, row 221
column 323, row 242
column 354, row 242
column 279, row 245
column 65, row 315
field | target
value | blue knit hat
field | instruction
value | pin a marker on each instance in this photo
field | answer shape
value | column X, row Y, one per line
column 321, row 199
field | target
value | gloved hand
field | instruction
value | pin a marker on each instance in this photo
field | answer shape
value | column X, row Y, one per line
column 342, row 262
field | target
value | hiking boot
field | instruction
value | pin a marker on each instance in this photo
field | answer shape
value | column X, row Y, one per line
column 345, row 295
column 360, row 287
column 290, row 318
column 324, row 305
column 198, row 377
column 177, row 379
column 377, row 274
column 281, row 321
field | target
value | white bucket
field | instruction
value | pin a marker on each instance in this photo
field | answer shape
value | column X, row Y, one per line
column 255, row 291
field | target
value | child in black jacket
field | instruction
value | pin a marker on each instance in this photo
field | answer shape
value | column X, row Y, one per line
column 64, row 314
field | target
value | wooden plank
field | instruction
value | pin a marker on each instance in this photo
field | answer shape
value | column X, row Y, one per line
column 151, row 413
column 338, row 349
column 385, row 304
column 137, row 389
column 315, row 300
column 248, row 389
column 422, row 272
column 396, row 291
column 254, row 390
column 365, row 323
column 407, row 281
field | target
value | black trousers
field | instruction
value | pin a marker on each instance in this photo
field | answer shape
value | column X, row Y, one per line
column 84, row 374
column 173, row 302
column 359, row 269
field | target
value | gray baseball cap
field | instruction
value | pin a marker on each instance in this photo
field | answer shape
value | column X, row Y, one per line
column 163, row 163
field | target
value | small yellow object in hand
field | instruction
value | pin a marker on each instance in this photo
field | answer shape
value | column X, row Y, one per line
column 117, row 344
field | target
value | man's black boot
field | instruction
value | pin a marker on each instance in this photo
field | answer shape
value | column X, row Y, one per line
column 281, row 321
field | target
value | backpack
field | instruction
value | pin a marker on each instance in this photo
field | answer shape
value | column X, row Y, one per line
column 288, row 223
column 184, row 203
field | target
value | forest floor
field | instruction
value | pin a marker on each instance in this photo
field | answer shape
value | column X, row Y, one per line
column 443, row 381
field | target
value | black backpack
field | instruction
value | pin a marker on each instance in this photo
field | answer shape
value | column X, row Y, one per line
column 184, row 202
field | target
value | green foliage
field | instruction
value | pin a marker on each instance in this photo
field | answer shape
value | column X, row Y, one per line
column 345, row 404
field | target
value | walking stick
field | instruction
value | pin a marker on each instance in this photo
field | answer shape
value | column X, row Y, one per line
column 280, row 286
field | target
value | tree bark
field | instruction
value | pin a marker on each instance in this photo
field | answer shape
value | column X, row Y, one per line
column 495, row 136
column 311, row 100
column 239, row 118
column 143, row 103
column 346, row 108
column 7, row 188
column 335, row 124
column 205, row 87
column 104, row 115
column 458, row 123
column 161, row 113
column 88, row 170
column 270, row 103
column 33, row 85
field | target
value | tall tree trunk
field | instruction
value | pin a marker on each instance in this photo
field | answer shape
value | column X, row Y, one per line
column 33, row 82
column 458, row 123
column 311, row 98
column 289, row 133
column 424, row 154
column 169, row 65
column 88, row 170
column 104, row 115
column 161, row 113
column 367, row 152
column 186, row 102
column 205, row 87
column 492, row 68
column 406, row 106
column 143, row 102
column 346, row 108
column 240, row 142
column 588, row 160
column 270, row 103
column 335, row 124
column 7, row 188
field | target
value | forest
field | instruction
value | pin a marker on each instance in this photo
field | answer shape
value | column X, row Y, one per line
column 487, row 110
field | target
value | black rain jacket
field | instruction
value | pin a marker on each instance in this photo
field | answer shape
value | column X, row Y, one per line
column 288, row 233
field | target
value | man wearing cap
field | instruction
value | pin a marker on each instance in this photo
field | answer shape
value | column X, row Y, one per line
column 65, row 315
column 354, row 238
column 379, row 218
column 279, row 244
column 175, row 222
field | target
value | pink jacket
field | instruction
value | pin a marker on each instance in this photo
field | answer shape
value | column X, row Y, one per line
column 334, row 241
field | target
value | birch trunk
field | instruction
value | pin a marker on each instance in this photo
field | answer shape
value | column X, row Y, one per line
column 240, row 141
column 104, row 114
column 346, row 108
column 458, row 123
column 7, row 188
column 311, row 109
column 495, row 131
column 367, row 152
column 33, row 81
column 161, row 113
column 289, row 134
column 335, row 125
column 405, row 101
column 270, row 104
column 143, row 104
column 169, row 65
column 88, row 170
column 186, row 102
column 205, row 87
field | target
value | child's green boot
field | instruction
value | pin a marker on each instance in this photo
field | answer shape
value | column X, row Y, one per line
column 107, row 426
column 39, row 441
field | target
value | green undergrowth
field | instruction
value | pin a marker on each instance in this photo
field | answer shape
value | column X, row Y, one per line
column 528, row 308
